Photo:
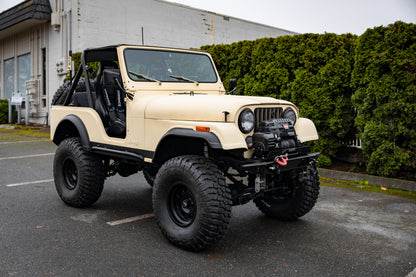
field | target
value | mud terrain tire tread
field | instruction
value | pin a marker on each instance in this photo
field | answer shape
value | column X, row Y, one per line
column 212, row 197
column 89, row 173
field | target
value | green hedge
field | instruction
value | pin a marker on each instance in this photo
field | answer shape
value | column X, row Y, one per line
column 4, row 111
column 313, row 71
column 344, row 83
column 76, row 58
column 384, row 78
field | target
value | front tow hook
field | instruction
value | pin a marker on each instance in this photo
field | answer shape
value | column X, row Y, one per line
column 282, row 160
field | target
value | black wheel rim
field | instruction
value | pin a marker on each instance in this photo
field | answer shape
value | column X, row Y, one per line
column 70, row 173
column 181, row 205
column 288, row 192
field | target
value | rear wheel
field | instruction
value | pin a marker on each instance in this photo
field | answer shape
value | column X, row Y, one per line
column 191, row 202
column 302, row 192
column 79, row 175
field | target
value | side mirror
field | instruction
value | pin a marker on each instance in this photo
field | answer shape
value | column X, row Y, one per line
column 232, row 87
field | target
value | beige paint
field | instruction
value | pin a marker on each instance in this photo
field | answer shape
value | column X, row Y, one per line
column 203, row 107
column 305, row 129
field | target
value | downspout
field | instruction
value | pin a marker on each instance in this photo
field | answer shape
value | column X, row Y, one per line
column 61, row 36
column 69, row 22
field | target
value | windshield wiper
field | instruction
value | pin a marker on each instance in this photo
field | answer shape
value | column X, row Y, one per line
column 144, row 77
column 184, row 79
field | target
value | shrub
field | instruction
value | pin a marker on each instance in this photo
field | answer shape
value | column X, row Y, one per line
column 4, row 111
column 313, row 71
column 384, row 78
column 76, row 58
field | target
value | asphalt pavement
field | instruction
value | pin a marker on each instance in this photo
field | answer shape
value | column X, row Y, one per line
column 348, row 233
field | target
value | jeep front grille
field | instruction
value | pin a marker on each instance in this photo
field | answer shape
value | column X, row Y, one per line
column 263, row 114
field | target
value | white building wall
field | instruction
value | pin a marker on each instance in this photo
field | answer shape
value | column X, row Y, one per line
column 30, row 41
column 8, row 48
column 99, row 23
column 77, row 25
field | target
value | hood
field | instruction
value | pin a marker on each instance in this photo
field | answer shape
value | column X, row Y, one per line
column 203, row 107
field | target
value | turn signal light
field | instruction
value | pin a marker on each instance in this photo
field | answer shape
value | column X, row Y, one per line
column 202, row 129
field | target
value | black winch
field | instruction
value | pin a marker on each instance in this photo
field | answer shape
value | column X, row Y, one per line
column 274, row 134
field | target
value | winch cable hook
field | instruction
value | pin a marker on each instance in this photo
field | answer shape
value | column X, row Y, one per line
column 282, row 160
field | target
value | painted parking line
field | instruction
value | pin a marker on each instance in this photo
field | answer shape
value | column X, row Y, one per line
column 130, row 219
column 26, row 156
column 30, row 183
column 23, row 141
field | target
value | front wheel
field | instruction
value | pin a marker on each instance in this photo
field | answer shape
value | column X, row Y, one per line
column 302, row 190
column 79, row 175
column 191, row 202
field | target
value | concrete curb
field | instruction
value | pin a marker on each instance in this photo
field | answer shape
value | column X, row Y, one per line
column 372, row 180
column 7, row 127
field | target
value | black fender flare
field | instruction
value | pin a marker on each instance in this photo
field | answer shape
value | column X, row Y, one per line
column 79, row 126
column 209, row 137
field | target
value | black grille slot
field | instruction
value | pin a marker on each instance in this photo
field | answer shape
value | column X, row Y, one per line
column 263, row 114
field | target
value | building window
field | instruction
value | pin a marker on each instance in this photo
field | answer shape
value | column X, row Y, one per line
column 23, row 67
column 44, row 71
column 8, row 78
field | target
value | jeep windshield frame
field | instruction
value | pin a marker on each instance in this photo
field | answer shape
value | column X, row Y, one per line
column 171, row 66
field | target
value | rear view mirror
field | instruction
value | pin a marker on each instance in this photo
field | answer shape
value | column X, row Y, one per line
column 232, row 86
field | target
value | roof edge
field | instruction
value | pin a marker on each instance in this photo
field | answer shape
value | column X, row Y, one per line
column 26, row 10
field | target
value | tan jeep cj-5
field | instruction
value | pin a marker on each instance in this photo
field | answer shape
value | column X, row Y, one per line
column 165, row 112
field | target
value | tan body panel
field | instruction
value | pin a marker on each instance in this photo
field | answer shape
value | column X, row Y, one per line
column 228, row 133
column 144, row 134
column 306, row 130
column 202, row 107
column 91, row 121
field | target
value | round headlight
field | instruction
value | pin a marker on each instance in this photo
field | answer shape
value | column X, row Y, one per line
column 246, row 121
column 289, row 113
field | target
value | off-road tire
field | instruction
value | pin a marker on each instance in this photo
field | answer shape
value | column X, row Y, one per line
column 301, row 201
column 79, row 175
column 62, row 92
column 191, row 202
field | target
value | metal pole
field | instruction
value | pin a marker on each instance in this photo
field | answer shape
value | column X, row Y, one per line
column 19, row 113
column 27, row 109
column 142, row 36
column 70, row 64
column 10, row 111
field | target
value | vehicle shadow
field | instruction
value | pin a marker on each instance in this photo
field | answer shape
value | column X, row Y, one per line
column 249, row 229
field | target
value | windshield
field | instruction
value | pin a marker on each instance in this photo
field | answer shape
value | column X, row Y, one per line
column 169, row 66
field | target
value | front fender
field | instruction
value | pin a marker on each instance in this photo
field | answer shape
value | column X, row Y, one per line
column 184, row 141
column 306, row 130
column 211, row 139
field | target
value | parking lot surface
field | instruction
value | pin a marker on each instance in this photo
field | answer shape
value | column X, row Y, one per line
column 348, row 233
